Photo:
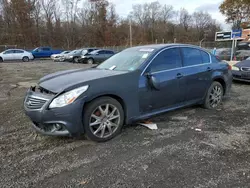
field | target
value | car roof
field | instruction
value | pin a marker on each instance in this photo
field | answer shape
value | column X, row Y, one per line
column 104, row 50
column 14, row 49
column 162, row 46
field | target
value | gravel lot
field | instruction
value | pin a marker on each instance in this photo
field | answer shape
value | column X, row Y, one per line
column 193, row 147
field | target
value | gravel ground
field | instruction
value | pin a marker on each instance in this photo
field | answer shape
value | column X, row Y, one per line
column 192, row 147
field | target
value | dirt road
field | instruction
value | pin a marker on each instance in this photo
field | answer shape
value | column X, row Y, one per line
column 208, row 149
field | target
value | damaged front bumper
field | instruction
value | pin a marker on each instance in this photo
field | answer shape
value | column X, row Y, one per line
column 64, row 121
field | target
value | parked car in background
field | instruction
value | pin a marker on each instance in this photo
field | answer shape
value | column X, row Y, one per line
column 132, row 85
column 241, row 71
column 44, row 52
column 97, row 56
column 244, row 45
column 16, row 54
column 76, row 54
column 241, row 55
column 223, row 54
column 59, row 57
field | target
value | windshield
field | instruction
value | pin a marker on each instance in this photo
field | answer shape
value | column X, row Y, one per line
column 73, row 52
column 84, row 52
column 65, row 52
column 127, row 60
column 94, row 52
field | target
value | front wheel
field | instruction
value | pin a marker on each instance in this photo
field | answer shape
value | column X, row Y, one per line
column 103, row 119
column 90, row 61
column 1, row 59
column 26, row 59
column 214, row 96
column 75, row 60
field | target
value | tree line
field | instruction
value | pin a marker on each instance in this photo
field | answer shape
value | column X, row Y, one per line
column 71, row 24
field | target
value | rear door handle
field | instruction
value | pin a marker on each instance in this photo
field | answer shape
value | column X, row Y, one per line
column 209, row 69
column 179, row 75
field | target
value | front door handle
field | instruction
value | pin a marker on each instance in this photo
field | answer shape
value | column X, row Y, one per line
column 209, row 69
column 179, row 75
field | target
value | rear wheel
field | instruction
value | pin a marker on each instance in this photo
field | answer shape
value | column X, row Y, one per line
column 103, row 119
column 75, row 60
column 26, row 59
column 90, row 61
column 214, row 96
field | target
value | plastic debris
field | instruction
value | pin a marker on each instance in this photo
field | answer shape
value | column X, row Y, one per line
column 179, row 118
column 199, row 130
column 149, row 125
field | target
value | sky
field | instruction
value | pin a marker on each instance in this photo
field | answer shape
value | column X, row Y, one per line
column 123, row 7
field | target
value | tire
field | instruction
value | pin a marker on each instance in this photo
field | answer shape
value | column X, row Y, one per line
column 1, row 59
column 75, row 60
column 214, row 96
column 90, row 61
column 26, row 59
column 102, row 128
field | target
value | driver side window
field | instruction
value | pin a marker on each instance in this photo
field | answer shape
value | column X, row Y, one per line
column 166, row 60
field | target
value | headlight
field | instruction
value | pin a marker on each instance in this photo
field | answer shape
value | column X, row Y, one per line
column 235, row 68
column 83, row 56
column 67, row 98
column 71, row 56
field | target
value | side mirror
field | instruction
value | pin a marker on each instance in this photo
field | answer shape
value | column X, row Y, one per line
column 153, row 81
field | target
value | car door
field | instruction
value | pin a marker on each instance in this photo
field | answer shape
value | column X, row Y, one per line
column 165, row 68
column 19, row 54
column 9, row 55
column 100, row 56
column 197, row 72
column 108, row 54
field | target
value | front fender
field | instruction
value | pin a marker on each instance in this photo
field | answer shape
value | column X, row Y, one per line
column 129, row 102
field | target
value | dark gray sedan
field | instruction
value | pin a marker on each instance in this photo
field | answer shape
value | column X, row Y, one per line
column 97, row 56
column 132, row 85
column 241, row 71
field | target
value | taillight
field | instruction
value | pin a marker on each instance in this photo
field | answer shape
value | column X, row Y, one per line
column 230, row 67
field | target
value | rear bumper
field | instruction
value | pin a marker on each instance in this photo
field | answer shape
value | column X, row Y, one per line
column 64, row 121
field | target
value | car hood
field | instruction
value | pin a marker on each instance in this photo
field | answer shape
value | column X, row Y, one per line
column 59, row 81
column 245, row 63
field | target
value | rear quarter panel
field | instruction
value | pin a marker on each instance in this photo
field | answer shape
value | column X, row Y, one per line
column 222, row 70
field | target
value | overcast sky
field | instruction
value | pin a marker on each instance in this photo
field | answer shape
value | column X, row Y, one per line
column 123, row 7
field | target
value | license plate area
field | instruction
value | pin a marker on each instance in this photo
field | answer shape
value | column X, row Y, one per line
column 245, row 75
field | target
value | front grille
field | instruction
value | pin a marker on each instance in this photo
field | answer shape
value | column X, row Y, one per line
column 45, row 91
column 34, row 103
column 245, row 69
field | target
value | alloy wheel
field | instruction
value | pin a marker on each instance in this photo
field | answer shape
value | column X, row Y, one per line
column 90, row 61
column 76, row 60
column 104, row 120
column 215, row 96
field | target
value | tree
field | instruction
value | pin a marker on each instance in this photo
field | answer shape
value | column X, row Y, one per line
column 185, row 19
column 236, row 11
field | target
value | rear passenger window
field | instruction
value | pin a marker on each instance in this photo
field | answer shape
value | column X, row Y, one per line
column 102, row 52
column 109, row 52
column 205, row 57
column 191, row 56
column 168, row 59
column 19, row 51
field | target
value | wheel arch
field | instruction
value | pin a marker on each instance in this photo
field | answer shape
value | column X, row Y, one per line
column 222, row 82
column 114, row 96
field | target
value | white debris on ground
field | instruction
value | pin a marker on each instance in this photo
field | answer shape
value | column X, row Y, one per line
column 149, row 124
column 179, row 118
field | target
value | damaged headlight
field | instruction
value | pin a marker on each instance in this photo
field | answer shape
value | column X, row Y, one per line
column 68, row 97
